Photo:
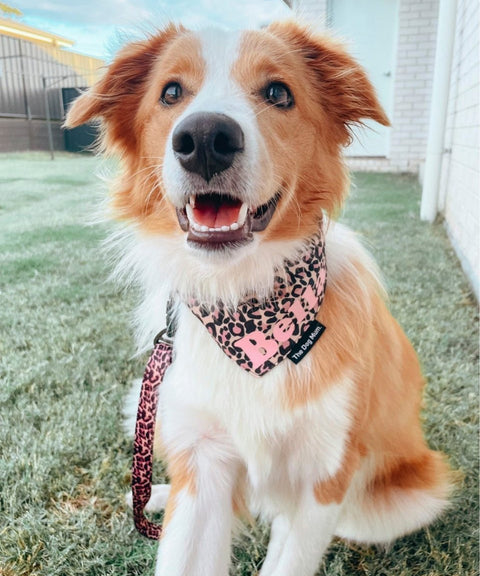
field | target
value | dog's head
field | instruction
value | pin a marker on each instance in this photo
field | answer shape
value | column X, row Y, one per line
column 230, row 139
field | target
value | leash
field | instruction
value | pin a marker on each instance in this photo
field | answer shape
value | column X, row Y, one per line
column 160, row 360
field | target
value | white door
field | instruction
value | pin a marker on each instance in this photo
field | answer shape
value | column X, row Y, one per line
column 370, row 28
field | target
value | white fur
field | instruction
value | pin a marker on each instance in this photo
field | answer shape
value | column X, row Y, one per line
column 232, row 420
column 228, row 420
column 130, row 408
column 211, row 392
column 344, row 251
column 299, row 542
column 197, row 540
column 159, row 266
column 158, row 499
column 210, row 407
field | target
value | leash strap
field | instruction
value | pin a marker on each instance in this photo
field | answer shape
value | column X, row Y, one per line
column 159, row 361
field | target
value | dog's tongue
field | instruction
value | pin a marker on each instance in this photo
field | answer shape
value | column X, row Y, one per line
column 215, row 211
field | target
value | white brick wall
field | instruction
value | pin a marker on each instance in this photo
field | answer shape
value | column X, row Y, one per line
column 460, row 184
column 370, row 164
column 417, row 27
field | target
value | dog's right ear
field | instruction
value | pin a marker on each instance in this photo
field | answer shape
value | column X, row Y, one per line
column 121, row 85
column 340, row 81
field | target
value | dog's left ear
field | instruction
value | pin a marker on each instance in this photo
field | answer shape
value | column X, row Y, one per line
column 119, row 84
column 116, row 96
column 344, row 89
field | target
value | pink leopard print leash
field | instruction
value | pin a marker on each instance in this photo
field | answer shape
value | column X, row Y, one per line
column 158, row 363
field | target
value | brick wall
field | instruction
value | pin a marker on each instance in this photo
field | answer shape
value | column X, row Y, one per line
column 417, row 28
column 460, row 183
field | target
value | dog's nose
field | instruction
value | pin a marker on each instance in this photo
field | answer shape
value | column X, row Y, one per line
column 206, row 143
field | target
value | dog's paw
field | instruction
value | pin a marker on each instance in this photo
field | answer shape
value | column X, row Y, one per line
column 158, row 498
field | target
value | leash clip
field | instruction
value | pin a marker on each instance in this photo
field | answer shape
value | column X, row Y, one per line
column 163, row 336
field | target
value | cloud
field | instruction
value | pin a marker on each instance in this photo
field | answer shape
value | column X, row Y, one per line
column 106, row 12
column 128, row 12
column 100, row 27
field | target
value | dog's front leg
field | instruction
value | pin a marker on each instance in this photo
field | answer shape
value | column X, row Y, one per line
column 299, row 539
column 198, row 518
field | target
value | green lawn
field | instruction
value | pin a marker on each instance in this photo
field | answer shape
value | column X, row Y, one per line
column 65, row 365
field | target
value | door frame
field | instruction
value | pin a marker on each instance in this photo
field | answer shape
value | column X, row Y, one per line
column 389, row 106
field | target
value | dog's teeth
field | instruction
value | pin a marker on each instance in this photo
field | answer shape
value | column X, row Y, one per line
column 189, row 207
column 242, row 215
column 189, row 211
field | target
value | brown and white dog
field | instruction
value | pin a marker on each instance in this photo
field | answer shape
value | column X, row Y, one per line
column 231, row 153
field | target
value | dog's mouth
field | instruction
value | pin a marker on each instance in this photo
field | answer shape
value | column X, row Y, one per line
column 214, row 221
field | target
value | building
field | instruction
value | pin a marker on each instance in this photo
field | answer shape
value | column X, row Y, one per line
column 34, row 67
column 458, row 196
column 396, row 41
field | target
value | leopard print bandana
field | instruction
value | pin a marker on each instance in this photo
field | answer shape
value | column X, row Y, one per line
column 258, row 335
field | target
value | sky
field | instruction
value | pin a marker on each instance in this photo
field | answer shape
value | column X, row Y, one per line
column 100, row 27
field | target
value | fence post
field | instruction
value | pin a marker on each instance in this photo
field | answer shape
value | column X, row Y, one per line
column 47, row 115
column 28, row 112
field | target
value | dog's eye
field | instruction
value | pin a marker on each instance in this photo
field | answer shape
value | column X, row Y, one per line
column 279, row 95
column 171, row 94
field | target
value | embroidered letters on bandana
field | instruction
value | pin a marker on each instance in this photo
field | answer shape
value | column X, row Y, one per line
column 259, row 335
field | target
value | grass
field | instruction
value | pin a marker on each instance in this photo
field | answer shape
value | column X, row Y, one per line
column 65, row 365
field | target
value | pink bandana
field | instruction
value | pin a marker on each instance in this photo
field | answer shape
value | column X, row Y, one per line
column 259, row 335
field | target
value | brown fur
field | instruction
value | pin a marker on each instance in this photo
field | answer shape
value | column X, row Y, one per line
column 182, row 477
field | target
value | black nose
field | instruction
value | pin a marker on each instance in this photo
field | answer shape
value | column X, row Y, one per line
column 206, row 143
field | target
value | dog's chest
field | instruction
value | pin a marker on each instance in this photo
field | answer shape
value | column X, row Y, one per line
column 276, row 443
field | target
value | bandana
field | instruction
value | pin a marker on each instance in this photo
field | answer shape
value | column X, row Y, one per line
column 258, row 335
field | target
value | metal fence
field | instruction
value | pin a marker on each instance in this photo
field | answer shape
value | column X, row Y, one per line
column 31, row 78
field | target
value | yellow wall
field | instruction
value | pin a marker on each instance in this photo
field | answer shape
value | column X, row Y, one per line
column 89, row 68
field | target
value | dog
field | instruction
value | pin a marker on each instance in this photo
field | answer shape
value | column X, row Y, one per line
column 232, row 173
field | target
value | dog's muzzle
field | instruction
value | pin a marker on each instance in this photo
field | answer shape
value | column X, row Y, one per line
column 206, row 145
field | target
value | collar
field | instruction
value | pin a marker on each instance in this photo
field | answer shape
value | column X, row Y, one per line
column 258, row 335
